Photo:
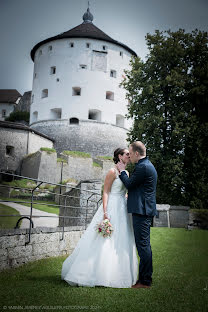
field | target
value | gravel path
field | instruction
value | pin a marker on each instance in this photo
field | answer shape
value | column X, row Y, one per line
column 39, row 221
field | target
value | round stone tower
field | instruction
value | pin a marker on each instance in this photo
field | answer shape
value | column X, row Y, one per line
column 76, row 96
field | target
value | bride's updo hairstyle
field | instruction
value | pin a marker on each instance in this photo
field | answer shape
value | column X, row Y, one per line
column 118, row 151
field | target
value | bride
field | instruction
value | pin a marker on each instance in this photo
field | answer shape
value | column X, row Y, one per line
column 106, row 261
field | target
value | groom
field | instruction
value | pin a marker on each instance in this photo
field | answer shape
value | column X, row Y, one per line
column 142, row 204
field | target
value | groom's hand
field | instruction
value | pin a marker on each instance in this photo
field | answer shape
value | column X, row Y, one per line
column 121, row 166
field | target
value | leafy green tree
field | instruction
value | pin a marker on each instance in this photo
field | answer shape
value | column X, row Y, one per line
column 168, row 100
column 18, row 116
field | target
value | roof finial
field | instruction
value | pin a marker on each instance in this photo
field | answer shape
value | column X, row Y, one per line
column 88, row 17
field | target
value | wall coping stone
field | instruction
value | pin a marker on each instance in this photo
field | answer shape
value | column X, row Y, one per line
column 37, row 230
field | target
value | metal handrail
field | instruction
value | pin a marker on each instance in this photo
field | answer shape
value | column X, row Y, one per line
column 42, row 191
column 30, row 216
column 23, row 177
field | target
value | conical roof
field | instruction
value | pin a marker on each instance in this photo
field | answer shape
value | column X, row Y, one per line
column 85, row 30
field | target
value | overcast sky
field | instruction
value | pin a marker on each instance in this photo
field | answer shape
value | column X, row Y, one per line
column 24, row 23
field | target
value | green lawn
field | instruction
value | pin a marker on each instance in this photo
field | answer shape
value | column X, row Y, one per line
column 180, row 281
column 8, row 222
column 45, row 208
column 42, row 206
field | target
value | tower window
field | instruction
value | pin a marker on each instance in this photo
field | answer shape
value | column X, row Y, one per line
column 87, row 45
column 9, row 150
column 94, row 114
column 109, row 95
column 50, row 48
column 53, row 70
column 121, row 53
column 76, row 91
column 73, row 121
column 3, row 113
column 35, row 116
column 104, row 48
column 120, row 120
column 71, row 44
column 56, row 113
column 83, row 66
column 35, row 75
column 113, row 73
column 44, row 93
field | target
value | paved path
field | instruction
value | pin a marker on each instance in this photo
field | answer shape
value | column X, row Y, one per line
column 39, row 221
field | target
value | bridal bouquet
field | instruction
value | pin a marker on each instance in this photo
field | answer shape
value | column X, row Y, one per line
column 105, row 228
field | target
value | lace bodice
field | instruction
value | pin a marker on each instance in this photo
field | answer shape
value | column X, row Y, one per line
column 117, row 186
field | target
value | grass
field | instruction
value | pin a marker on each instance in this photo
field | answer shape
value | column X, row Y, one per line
column 105, row 157
column 77, row 154
column 96, row 164
column 36, row 204
column 48, row 150
column 62, row 160
column 8, row 222
column 23, row 183
column 45, row 208
column 70, row 180
column 180, row 281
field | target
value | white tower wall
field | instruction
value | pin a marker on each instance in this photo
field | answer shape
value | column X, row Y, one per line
column 94, row 80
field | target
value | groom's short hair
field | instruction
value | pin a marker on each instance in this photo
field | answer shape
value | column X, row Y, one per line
column 139, row 147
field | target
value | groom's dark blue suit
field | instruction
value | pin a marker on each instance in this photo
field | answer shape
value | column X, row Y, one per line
column 142, row 204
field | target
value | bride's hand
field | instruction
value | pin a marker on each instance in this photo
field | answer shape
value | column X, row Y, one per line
column 105, row 217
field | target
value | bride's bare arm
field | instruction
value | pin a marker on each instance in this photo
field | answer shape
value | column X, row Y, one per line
column 110, row 177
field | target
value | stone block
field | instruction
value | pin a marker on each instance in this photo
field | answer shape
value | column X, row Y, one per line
column 19, row 251
column 39, row 249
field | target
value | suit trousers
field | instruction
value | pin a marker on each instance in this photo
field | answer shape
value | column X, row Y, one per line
column 141, row 225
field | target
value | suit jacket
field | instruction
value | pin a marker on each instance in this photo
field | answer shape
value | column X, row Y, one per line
column 141, row 188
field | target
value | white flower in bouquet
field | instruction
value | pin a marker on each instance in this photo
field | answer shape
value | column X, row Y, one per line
column 104, row 228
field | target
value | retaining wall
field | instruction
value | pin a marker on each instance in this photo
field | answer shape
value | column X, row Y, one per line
column 45, row 242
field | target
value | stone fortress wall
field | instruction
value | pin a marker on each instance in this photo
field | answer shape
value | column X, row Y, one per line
column 43, row 166
column 90, row 136
column 18, row 140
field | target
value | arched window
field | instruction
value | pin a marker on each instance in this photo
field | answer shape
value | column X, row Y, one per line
column 44, row 93
column 120, row 120
column 94, row 114
column 73, row 121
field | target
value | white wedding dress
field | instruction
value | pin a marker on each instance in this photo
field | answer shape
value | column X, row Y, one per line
column 105, row 261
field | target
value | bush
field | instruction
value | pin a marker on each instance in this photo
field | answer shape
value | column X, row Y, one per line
column 18, row 116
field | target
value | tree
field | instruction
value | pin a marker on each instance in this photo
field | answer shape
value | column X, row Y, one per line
column 168, row 100
column 19, row 116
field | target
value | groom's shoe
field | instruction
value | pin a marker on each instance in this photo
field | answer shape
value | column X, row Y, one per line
column 139, row 285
